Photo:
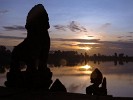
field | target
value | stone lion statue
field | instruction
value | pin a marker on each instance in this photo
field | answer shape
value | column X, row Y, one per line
column 34, row 50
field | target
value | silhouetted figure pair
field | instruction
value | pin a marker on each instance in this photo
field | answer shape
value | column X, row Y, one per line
column 97, row 79
column 33, row 51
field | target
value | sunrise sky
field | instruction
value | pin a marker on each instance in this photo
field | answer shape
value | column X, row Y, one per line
column 92, row 26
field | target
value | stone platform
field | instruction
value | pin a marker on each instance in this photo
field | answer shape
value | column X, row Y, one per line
column 24, row 94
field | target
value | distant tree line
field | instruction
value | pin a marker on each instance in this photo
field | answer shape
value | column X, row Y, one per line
column 72, row 58
column 117, row 58
column 59, row 58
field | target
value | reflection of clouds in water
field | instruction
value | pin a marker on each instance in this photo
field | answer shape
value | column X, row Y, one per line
column 79, row 85
column 129, row 78
column 71, row 71
column 111, row 69
column 2, row 79
column 75, row 87
column 120, row 85
column 74, row 84
column 119, row 78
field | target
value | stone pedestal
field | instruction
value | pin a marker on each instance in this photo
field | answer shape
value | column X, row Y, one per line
column 35, row 80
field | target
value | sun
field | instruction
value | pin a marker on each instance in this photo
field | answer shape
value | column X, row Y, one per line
column 85, row 48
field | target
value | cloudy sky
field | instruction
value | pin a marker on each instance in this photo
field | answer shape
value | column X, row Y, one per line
column 104, row 26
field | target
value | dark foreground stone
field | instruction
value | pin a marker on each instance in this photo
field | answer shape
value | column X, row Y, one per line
column 30, row 80
column 26, row 94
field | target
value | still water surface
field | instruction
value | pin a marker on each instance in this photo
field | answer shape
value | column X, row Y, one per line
column 77, row 78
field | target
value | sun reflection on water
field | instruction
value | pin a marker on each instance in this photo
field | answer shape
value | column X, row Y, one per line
column 86, row 69
column 74, row 71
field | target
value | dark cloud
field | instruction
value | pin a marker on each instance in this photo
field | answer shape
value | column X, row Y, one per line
column 90, row 36
column 120, row 40
column 105, row 26
column 3, row 11
column 130, row 32
column 24, row 33
column 125, row 36
column 60, row 27
column 120, row 36
column 76, row 40
column 11, row 37
column 121, row 45
column 130, row 39
column 86, row 45
column 73, row 26
column 106, row 44
column 129, row 36
column 14, row 27
column 65, row 44
column 103, row 46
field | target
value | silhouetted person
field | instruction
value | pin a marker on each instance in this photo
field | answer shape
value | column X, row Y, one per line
column 97, row 79
column 34, row 50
